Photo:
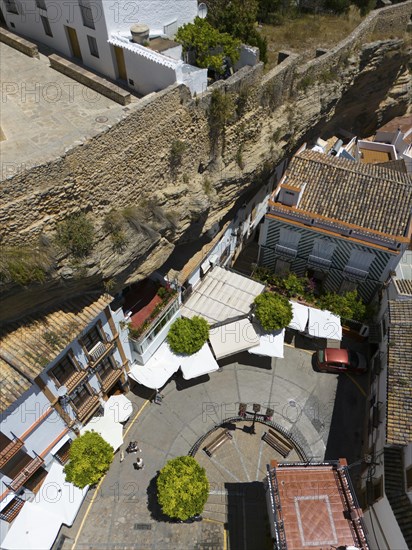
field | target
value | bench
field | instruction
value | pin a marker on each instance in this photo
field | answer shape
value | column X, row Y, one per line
column 217, row 442
column 277, row 442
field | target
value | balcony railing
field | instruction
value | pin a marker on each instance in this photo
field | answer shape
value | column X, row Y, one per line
column 354, row 273
column 319, row 263
column 100, row 350
column 26, row 473
column 286, row 251
column 10, row 450
column 110, row 378
column 87, row 408
column 74, row 380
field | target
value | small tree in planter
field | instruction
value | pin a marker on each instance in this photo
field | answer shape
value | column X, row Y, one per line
column 90, row 457
column 273, row 311
column 187, row 336
column 348, row 306
column 182, row 488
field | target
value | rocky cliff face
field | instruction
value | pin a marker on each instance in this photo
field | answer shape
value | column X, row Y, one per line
column 163, row 199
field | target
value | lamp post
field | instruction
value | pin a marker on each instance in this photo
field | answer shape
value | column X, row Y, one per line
column 256, row 409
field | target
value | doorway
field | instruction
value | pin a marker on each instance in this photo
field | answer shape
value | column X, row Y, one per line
column 121, row 65
column 74, row 43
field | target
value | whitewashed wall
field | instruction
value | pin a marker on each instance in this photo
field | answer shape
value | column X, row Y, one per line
column 147, row 75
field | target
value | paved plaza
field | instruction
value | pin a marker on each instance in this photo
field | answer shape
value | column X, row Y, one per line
column 124, row 512
column 44, row 112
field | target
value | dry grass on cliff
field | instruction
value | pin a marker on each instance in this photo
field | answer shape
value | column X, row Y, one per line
column 308, row 32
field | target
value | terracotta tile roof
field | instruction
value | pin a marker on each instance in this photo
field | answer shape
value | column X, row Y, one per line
column 398, row 165
column 365, row 195
column 28, row 345
column 12, row 385
column 399, row 385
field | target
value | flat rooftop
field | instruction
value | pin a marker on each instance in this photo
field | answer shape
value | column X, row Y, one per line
column 317, row 507
column 44, row 112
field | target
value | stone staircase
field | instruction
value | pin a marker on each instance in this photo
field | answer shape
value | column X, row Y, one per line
column 216, row 507
column 395, row 491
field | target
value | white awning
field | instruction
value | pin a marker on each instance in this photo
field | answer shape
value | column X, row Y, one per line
column 118, row 407
column 324, row 324
column 38, row 523
column 233, row 338
column 199, row 363
column 60, row 443
column 300, row 316
column 270, row 344
column 110, row 430
column 157, row 371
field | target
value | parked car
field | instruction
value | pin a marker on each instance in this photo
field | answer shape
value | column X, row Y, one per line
column 340, row 360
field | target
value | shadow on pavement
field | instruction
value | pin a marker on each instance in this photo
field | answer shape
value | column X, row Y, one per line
column 182, row 384
column 346, row 429
column 245, row 358
column 248, row 521
column 141, row 391
column 152, row 502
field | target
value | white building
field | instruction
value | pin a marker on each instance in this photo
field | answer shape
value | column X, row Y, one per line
column 387, row 480
column 98, row 34
column 57, row 370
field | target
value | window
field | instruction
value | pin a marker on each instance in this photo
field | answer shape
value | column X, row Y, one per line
column 63, row 370
column 41, row 4
column 46, row 25
column 82, row 395
column 93, row 46
column 282, row 268
column 105, row 368
column 87, row 14
column 92, row 338
column 11, row 6
column 374, row 490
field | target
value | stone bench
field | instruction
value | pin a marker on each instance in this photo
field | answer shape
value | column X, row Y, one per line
column 277, row 442
column 217, row 442
column 18, row 43
column 89, row 79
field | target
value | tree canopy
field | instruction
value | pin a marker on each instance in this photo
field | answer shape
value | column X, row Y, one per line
column 273, row 311
column 187, row 336
column 238, row 18
column 182, row 488
column 210, row 46
column 348, row 306
column 90, row 457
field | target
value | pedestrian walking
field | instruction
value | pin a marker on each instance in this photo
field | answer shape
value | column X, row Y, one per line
column 139, row 463
column 121, row 456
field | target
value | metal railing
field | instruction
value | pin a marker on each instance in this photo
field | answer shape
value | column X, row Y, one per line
column 10, row 450
column 26, row 473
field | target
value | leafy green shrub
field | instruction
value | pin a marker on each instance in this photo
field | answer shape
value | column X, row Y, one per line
column 209, row 46
column 187, row 336
column 176, row 153
column 90, row 457
column 113, row 224
column 337, row 6
column 75, row 235
column 348, row 306
column 221, row 111
column 273, row 311
column 182, row 488
column 24, row 265
column 293, row 285
column 239, row 157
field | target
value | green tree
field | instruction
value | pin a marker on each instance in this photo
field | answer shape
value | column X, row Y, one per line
column 90, row 457
column 348, row 305
column 238, row 18
column 221, row 110
column 293, row 285
column 182, row 488
column 273, row 311
column 209, row 46
column 187, row 336
column 75, row 234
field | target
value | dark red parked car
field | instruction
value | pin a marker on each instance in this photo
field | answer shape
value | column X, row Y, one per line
column 340, row 360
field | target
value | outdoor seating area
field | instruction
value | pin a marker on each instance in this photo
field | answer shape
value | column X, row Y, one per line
column 217, row 442
column 277, row 442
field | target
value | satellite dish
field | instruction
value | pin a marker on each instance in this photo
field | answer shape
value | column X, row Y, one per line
column 62, row 391
column 202, row 10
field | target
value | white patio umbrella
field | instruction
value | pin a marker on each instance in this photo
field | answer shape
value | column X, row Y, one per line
column 111, row 431
column 118, row 407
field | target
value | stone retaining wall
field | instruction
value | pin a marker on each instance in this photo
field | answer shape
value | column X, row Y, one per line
column 97, row 83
